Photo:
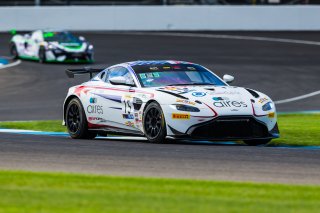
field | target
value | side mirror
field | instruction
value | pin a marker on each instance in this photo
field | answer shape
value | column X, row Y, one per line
column 228, row 78
column 81, row 38
column 120, row 80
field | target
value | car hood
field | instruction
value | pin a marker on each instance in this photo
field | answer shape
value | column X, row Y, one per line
column 222, row 99
column 72, row 47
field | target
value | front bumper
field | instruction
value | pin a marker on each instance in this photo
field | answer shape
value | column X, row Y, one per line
column 229, row 128
column 76, row 57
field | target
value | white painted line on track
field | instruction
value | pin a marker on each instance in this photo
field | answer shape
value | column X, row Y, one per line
column 254, row 38
column 298, row 97
column 11, row 64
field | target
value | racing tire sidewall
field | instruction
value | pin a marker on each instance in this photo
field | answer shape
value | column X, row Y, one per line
column 42, row 55
column 13, row 51
column 161, row 137
column 82, row 131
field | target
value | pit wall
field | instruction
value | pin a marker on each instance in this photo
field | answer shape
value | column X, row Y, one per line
column 81, row 18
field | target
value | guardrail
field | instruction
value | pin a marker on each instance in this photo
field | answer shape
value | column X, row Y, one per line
column 161, row 18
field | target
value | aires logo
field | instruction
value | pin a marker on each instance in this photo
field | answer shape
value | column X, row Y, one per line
column 95, row 109
column 180, row 116
column 222, row 103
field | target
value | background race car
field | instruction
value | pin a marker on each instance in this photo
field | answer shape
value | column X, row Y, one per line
column 51, row 46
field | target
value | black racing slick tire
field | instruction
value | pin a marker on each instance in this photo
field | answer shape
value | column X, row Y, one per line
column 76, row 121
column 13, row 51
column 42, row 55
column 257, row 142
column 154, row 123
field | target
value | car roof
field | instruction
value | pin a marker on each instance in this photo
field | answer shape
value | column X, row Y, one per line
column 155, row 62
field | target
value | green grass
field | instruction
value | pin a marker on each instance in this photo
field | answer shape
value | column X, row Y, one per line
column 296, row 129
column 46, row 126
column 299, row 130
column 56, row 192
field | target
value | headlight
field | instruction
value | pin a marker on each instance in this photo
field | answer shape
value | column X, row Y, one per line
column 90, row 47
column 268, row 106
column 187, row 108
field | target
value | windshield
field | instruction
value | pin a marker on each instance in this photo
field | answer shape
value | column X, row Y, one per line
column 175, row 75
column 61, row 37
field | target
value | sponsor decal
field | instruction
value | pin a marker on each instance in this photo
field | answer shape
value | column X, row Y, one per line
column 127, row 116
column 142, row 75
column 198, row 94
column 220, row 98
column 149, row 75
column 185, row 101
column 262, row 100
column 96, row 119
column 156, row 75
column 226, row 93
column 271, row 115
column 191, row 68
column 129, row 123
column 93, row 100
column 154, row 68
column 180, row 116
column 223, row 103
column 95, row 109
column 166, row 68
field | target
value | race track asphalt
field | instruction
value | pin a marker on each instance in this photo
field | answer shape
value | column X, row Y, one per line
column 33, row 91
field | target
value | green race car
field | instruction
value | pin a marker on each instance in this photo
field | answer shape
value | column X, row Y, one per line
column 51, row 46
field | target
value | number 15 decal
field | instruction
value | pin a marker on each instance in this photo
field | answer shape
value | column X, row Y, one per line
column 127, row 106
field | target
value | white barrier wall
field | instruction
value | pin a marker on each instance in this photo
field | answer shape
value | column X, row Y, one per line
column 161, row 18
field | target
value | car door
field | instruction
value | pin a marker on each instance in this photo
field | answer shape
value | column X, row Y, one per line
column 117, row 100
column 34, row 43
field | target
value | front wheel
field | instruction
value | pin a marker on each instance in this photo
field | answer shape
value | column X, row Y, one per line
column 154, row 123
column 257, row 142
column 76, row 121
column 13, row 51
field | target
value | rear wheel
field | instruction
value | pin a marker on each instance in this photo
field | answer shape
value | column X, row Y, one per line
column 14, row 51
column 154, row 123
column 257, row 142
column 76, row 121
column 42, row 55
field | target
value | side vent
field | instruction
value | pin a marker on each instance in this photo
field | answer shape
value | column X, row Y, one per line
column 253, row 93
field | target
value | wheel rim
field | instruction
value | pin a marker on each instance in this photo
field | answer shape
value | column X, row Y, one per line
column 73, row 118
column 153, row 122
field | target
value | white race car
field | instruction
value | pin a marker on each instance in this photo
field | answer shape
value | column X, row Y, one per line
column 51, row 46
column 167, row 99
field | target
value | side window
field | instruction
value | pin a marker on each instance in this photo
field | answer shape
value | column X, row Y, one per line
column 103, row 75
column 118, row 71
column 37, row 36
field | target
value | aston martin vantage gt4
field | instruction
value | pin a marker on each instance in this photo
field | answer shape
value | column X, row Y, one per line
column 167, row 99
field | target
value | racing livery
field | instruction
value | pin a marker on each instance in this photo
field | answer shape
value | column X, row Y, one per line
column 167, row 99
column 51, row 46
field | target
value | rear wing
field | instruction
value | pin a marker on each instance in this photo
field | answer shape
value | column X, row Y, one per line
column 86, row 70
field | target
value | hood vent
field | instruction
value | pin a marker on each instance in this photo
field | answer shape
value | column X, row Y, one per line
column 171, row 93
column 253, row 93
